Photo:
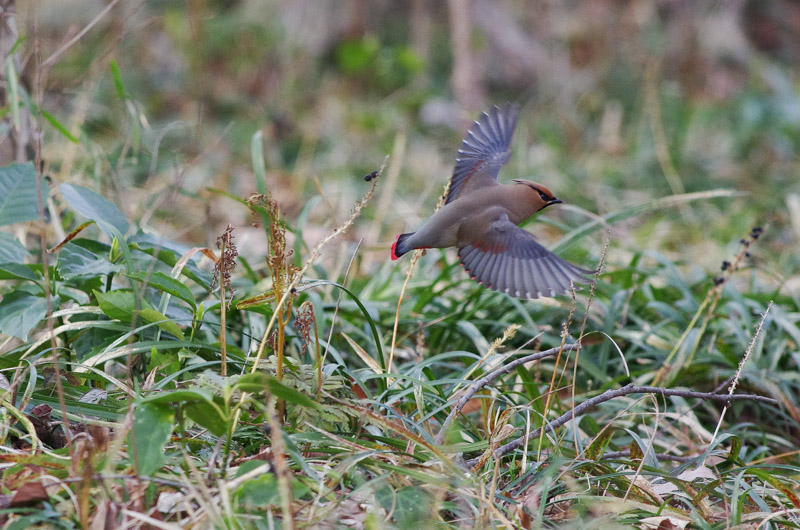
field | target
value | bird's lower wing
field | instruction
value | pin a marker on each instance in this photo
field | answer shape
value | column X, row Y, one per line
column 508, row 259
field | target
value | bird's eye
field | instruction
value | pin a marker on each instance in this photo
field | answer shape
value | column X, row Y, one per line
column 543, row 196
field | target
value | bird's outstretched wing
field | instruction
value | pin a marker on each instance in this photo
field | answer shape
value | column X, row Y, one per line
column 507, row 258
column 484, row 150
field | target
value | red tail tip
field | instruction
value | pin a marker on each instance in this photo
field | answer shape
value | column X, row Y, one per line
column 395, row 256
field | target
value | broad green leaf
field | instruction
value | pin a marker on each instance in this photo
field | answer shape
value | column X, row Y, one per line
column 176, row 396
column 290, row 395
column 256, row 382
column 262, row 491
column 11, row 250
column 209, row 416
column 152, row 425
column 75, row 261
column 122, row 305
column 118, row 305
column 20, row 312
column 258, row 492
column 199, row 405
column 163, row 282
column 154, row 317
column 411, row 504
column 18, row 194
column 95, row 207
column 170, row 252
column 18, row 271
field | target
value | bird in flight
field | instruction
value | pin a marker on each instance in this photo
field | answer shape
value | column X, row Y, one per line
column 480, row 217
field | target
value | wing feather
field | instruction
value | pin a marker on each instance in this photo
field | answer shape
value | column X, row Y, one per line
column 507, row 258
column 484, row 150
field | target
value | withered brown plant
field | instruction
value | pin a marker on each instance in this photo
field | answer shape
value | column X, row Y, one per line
column 709, row 304
column 222, row 274
column 284, row 283
column 282, row 270
column 304, row 322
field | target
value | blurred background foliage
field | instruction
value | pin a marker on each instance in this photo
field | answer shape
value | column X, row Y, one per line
column 155, row 106
column 622, row 102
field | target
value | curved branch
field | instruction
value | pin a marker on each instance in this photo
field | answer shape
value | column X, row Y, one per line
column 488, row 378
column 615, row 393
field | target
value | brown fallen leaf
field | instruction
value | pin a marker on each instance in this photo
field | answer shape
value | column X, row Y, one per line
column 28, row 494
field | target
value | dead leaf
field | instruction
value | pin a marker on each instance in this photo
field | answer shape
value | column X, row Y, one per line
column 28, row 494
column 95, row 395
column 690, row 475
column 663, row 523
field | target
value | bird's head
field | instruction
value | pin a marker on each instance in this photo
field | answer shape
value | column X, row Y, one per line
column 540, row 196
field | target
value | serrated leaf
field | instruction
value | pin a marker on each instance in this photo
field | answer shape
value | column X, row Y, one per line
column 95, row 207
column 252, row 382
column 290, row 395
column 11, row 250
column 152, row 425
column 20, row 312
column 75, row 261
column 18, row 202
column 163, row 282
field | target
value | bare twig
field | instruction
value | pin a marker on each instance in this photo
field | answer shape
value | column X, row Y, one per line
column 100, row 476
column 585, row 321
column 417, row 254
column 608, row 395
column 661, row 457
column 78, row 36
column 735, row 381
column 288, row 290
column 485, row 380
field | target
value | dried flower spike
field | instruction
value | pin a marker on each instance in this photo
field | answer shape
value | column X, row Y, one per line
column 227, row 262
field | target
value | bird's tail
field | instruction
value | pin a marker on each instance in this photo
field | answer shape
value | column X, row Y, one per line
column 401, row 245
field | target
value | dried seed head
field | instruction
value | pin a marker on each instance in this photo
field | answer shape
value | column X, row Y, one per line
column 226, row 263
column 304, row 321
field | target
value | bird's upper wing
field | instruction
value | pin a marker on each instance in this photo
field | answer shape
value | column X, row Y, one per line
column 507, row 258
column 484, row 150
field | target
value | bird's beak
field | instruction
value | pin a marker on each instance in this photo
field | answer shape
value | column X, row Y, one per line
column 554, row 201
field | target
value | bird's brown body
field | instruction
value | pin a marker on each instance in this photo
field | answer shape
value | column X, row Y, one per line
column 481, row 218
column 457, row 223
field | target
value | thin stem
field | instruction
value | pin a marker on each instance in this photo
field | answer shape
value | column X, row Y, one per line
column 485, row 380
column 223, row 313
column 608, row 395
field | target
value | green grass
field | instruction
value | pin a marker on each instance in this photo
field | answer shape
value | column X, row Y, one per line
column 325, row 415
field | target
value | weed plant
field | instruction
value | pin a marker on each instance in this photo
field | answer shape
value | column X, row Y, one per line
column 150, row 382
